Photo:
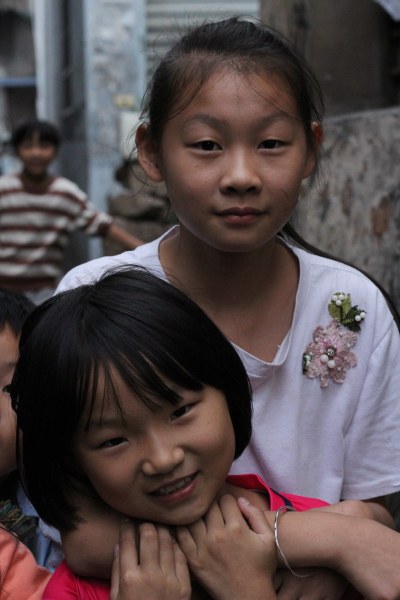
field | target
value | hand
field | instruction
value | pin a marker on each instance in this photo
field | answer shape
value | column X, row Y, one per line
column 324, row 584
column 158, row 570
column 231, row 559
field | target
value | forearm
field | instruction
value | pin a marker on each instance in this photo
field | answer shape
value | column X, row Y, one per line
column 117, row 234
column 362, row 550
column 89, row 548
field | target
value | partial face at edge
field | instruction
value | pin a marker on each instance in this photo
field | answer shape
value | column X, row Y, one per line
column 166, row 465
column 8, row 359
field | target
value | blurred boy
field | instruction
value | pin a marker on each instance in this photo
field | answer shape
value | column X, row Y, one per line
column 39, row 212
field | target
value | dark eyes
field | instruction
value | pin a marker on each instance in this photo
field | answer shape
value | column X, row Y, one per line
column 113, row 442
column 270, row 144
column 181, row 411
column 210, row 146
column 207, row 145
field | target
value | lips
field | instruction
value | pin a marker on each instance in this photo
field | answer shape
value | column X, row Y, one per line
column 174, row 486
column 239, row 211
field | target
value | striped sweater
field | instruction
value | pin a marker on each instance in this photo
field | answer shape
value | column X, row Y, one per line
column 35, row 228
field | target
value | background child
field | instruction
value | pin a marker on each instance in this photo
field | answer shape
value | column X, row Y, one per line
column 134, row 414
column 39, row 212
column 232, row 127
column 16, row 512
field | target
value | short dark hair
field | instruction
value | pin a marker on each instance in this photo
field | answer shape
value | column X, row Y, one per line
column 14, row 309
column 135, row 322
column 26, row 130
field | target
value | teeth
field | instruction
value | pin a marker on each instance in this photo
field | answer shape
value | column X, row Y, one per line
column 168, row 489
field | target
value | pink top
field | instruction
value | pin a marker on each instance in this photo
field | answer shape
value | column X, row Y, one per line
column 20, row 577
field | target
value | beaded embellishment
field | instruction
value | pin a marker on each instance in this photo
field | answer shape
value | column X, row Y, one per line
column 329, row 355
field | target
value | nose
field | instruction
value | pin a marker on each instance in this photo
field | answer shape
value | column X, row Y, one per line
column 241, row 173
column 162, row 454
column 36, row 150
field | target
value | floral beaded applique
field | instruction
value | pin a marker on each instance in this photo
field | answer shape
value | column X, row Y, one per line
column 329, row 355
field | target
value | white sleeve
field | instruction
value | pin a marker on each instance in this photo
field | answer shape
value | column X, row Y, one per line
column 372, row 441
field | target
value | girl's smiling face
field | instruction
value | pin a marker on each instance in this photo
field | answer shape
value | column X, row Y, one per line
column 166, row 464
column 233, row 160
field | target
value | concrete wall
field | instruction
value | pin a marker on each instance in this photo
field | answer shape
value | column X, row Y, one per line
column 347, row 44
column 115, row 79
column 353, row 211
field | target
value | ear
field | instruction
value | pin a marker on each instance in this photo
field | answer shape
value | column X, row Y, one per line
column 147, row 153
column 318, row 135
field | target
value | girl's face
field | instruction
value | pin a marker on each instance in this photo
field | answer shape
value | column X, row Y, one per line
column 233, row 160
column 165, row 465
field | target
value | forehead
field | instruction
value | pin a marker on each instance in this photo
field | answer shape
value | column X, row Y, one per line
column 111, row 397
column 229, row 88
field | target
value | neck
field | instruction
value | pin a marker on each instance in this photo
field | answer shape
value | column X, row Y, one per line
column 38, row 181
column 250, row 296
column 214, row 278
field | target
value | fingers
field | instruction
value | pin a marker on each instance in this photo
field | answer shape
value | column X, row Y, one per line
column 255, row 516
column 127, row 549
column 166, row 550
column 115, row 575
column 181, row 567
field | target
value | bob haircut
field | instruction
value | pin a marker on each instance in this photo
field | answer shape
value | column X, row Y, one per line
column 132, row 321
column 25, row 131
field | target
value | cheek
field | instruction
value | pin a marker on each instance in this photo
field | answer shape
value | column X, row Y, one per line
column 109, row 480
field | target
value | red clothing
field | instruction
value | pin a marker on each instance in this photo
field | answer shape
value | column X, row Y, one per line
column 64, row 585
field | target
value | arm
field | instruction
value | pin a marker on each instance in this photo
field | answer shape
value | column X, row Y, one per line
column 158, row 570
column 365, row 552
column 380, row 512
column 117, row 234
column 89, row 547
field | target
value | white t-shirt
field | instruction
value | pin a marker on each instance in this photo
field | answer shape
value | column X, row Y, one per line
column 333, row 442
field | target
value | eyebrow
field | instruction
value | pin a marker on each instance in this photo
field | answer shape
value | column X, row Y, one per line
column 100, row 422
column 216, row 122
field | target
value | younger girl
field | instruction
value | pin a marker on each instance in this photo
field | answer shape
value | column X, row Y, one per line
column 232, row 126
column 141, row 404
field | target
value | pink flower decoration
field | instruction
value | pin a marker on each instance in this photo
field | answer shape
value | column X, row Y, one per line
column 329, row 356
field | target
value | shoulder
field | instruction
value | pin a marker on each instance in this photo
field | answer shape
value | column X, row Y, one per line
column 10, row 181
column 145, row 256
column 65, row 584
column 326, row 276
column 62, row 185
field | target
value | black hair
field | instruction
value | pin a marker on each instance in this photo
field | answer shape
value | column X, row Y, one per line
column 132, row 321
column 27, row 129
column 245, row 45
column 14, row 309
